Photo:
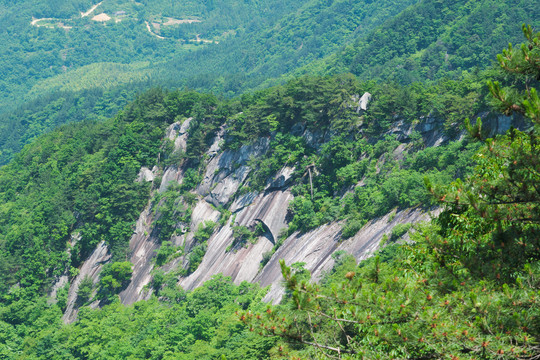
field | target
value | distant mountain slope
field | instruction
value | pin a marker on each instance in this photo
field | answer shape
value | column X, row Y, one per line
column 434, row 39
column 41, row 40
column 253, row 41
column 315, row 30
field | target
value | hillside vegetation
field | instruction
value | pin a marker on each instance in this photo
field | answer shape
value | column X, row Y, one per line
column 161, row 121
column 466, row 287
column 247, row 50
column 433, row 39
column 245, row 44
column 57, row 37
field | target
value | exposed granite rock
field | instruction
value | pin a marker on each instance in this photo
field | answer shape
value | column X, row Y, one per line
column 298, row 129
column 216, row 144
column 91, row 267
column 316, row 247
column 401, row 130
column 228, row 170
column 242, row 264
column 225, row 173
column 363, row 102
column 270, row 208
column 281, row 180
column 243, row 201
column 172, row 175
column 201, row 212
column 60, row 282
column 494, row 124
column 224, row 189
column 177, row 132
column 142, row 247
column 145, row 174
column 314, row 139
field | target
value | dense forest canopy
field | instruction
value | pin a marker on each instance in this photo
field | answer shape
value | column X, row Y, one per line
column 467, row 285
column 241, row 44
column 310, row 37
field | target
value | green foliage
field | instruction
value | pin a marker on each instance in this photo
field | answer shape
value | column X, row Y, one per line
column 435, row 40
column 74, row 68
column 498, row 206
column 401, row 40
column 85, row 289
column 166, row 252
column 318, row 102
column 399, row 230
column 196, row 254
column 62, row 50
column 242, row 235
column 352, row 227
column 204, row 231
column 191, row 179
column 113, row 278
column 200, row 324
column 33, row 118
column 468, row 285
column 78, row 179
column 171, row 212
column 62, row 296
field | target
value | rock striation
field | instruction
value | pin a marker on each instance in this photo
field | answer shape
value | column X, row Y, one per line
column 316, row 247
column 221, row 197
column 91, row 268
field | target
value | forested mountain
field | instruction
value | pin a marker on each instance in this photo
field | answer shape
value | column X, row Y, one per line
column 253, row 45
column 77, row 187
column 159, row 224
column 458, row 36
column 241, row 45
column 47, row 46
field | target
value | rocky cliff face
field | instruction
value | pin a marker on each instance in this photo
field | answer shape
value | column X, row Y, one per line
column 91, row 268
column 221, row 188
column 316, row 247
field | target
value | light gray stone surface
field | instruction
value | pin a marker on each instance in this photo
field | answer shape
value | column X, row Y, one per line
column 145, row 174
column 281, row 179
column 226, row 172
column 364, row 101
column 316, row 247
column 142, row 247
column 172, row 175
column 242, row 264
column 243, row 201
column 91, row 267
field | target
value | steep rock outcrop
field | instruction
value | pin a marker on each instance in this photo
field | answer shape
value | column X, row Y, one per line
column 316, row 247
column 142, row 247
column 243, row 263
column 172, row 175
column 281, row 179
column 226, row 172
column 202, row 212
column 178, row 132
column 145, row 174
column 91, row 267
